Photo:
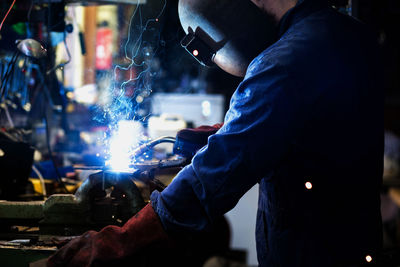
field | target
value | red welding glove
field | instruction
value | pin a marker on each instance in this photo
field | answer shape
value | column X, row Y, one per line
column 114, row 244
column 189, row 140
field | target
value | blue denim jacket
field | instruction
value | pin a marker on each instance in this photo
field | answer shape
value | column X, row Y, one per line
column 307, row 124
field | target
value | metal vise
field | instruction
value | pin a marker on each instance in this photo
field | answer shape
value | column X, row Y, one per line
column 104, row 198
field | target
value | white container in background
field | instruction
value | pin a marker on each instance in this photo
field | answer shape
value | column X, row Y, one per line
column 165, row 125
column 199, row 109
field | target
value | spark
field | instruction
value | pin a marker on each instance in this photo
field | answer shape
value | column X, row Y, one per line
column 136, row 47
column 308, row 185
column 138, row 7
column 119, row 109
column 368, row 258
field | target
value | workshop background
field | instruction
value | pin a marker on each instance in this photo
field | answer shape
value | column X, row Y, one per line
column 85, row 83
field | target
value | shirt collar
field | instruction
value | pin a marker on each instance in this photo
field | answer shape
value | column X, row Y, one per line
column 302, row 9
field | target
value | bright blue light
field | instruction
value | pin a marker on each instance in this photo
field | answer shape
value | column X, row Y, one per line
column 124, row 139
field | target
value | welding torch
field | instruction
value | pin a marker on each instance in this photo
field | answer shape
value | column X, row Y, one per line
column 149, row 145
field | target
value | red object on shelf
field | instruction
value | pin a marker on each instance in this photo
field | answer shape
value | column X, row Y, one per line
column 103, row 48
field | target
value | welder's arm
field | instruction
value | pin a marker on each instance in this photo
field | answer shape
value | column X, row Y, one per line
column 267, row 112
column 113, row 244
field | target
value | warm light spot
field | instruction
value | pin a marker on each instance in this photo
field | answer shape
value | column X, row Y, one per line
column 206, row 108
column 157, row 19
column 70, row 95
column 368, row 258
column 195, row 53
column 308, row 185
column 139, row 99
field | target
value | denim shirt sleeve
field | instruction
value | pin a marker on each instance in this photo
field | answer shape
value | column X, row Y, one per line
column 266, row 112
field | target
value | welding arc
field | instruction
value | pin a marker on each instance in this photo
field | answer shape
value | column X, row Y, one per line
column 1, row 25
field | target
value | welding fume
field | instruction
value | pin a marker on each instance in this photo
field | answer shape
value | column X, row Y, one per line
column 119, row 144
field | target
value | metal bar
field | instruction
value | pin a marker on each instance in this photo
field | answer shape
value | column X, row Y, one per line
column 21, row 210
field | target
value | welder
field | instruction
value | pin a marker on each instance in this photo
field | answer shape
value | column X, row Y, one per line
column 306, row 124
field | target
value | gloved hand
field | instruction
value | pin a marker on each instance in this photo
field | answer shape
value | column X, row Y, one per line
column 189, row 140
column 112, row 243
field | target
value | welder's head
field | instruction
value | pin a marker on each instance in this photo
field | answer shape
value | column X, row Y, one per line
column 229, row 33
column 275, row 8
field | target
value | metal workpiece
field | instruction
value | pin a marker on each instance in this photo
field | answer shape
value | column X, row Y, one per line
column 162, row 164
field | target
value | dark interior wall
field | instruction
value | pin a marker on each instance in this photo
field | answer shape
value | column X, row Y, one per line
column 383, row 16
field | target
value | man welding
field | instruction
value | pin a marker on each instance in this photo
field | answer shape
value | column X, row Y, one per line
column 306, row 124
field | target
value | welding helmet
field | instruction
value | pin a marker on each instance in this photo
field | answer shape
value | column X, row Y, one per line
column 228, row 33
